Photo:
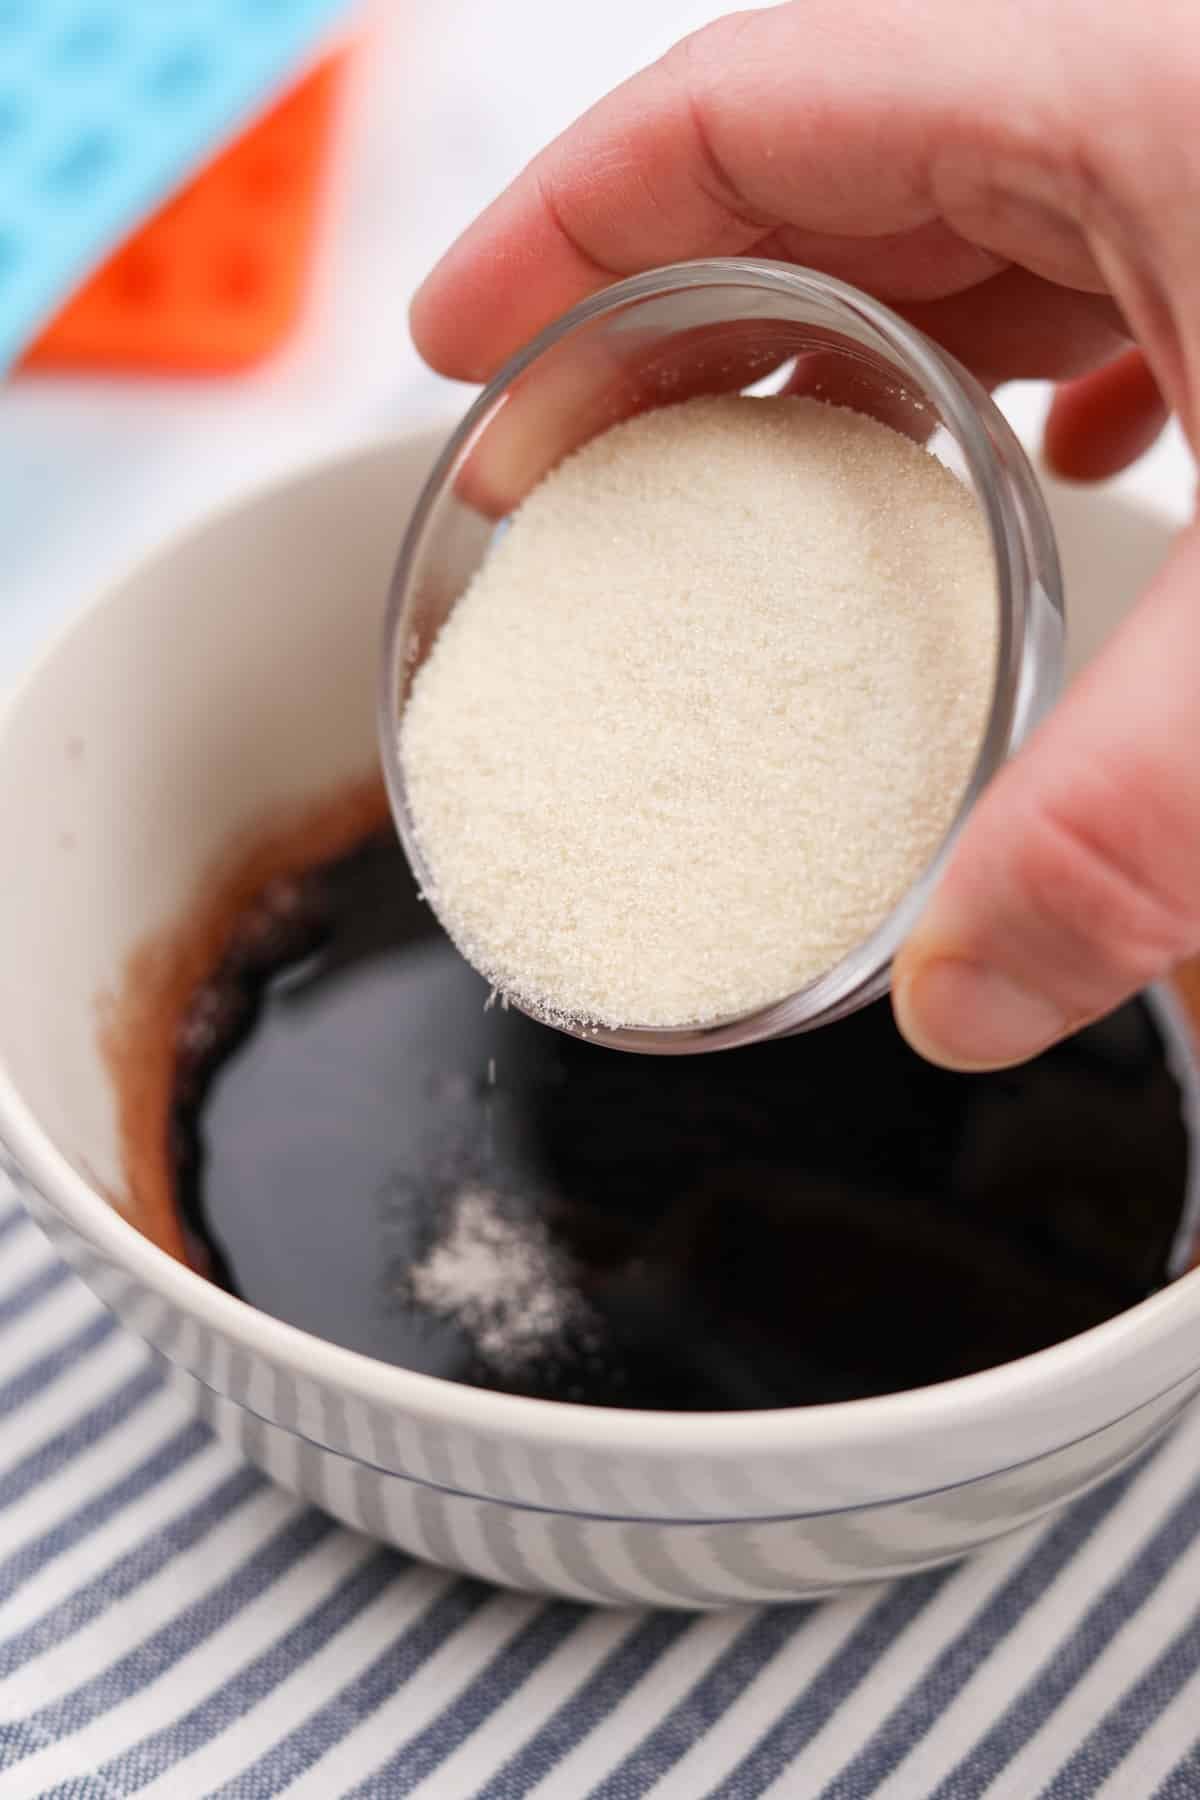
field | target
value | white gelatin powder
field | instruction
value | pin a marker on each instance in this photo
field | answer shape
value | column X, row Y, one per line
column 705, row 712
column 500, row 1278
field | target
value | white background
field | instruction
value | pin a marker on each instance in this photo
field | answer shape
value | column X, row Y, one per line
column 448, row 99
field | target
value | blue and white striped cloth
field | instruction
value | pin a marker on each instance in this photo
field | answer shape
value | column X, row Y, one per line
column 170, row 1625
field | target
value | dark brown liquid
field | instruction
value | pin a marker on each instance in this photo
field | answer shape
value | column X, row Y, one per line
column 807, row 1220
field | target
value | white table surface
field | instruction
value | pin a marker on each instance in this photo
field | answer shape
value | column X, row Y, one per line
column 447, row 101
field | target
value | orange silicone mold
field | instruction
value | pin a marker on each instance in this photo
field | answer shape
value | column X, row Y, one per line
column 216, row 278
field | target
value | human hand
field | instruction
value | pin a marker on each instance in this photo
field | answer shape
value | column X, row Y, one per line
column 1021, row 179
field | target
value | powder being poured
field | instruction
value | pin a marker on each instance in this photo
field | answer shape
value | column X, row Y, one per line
column 704, row 713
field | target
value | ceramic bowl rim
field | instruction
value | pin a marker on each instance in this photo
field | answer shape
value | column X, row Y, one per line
column 843, row 1425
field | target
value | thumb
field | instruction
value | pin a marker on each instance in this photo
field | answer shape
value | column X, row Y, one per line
column 1077, row 880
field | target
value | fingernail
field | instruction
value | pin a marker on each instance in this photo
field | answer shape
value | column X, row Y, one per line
column 967, row 1016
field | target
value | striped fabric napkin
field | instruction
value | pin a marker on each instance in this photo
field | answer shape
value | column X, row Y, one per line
column 170, row 1625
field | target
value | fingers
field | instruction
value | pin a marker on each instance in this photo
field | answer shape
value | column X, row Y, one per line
column 742, row 142
column 740, row 131
column 1102, row 423
column 1077, row 880
column 621, row 191
column 1019, row 326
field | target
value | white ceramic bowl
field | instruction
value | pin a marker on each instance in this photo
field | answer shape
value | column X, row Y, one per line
column 234, row 677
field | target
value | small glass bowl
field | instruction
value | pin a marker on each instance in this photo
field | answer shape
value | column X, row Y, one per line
column 733, row 326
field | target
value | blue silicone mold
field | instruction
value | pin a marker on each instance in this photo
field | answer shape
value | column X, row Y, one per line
column 106, row 106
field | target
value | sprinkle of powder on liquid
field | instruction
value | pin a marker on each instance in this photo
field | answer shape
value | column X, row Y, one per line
column 499, row 1278
column 705, row 712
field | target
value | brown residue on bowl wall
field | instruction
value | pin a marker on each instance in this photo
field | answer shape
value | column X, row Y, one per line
column 1186, row 981
column 141, row 1024
column 1187, row 985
